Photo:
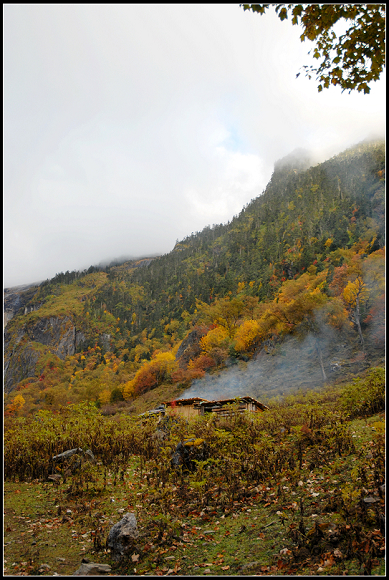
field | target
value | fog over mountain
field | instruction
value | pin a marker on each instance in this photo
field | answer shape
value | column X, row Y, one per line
column 149, row 122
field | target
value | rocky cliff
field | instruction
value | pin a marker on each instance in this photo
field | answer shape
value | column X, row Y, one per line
column 18, row 298
column 23, row 346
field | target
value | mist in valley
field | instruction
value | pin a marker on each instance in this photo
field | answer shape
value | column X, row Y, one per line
column 284, row 368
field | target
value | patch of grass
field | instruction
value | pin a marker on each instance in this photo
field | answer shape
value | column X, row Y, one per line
column 293, row 491
column 46, row 523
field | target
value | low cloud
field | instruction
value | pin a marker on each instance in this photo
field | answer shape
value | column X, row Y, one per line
column 150, row 122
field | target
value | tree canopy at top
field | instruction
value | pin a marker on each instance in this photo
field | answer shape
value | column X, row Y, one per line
column 353, row 59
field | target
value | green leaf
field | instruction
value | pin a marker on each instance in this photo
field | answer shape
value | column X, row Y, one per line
column 297, row 10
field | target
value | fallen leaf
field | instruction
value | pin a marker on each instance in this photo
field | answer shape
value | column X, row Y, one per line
column 135, row 557
column 225, row 567
column 329, row 561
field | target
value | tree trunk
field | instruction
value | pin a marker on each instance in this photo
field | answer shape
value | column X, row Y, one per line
column 318, row 349
column 358, row 323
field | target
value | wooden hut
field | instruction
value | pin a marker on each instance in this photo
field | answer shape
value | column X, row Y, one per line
column 224, row 407
column 195, row 406
column 186, row 408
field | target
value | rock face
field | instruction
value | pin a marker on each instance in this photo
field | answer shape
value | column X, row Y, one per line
column 58, row 333
column 18, row 365
column 190, row 347
column 21, row 354
column 105, row 340
column 16, row 298
column 122, row 535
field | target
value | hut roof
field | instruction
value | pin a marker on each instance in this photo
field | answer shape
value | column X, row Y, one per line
column 185, row 401
column 222, row 402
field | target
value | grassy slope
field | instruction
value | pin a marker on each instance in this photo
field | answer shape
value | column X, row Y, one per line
column 256, row 529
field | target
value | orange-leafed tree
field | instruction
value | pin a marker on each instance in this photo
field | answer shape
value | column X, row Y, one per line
column 16, row 405
column 296, row 307
column 152, row 374
column 186, row 376
column 129, row 389
column 214, row 346
column 335, row 314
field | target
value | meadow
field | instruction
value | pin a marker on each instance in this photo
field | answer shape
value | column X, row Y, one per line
column 296, row 490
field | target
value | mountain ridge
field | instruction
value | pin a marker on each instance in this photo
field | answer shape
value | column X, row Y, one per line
column 323, row 225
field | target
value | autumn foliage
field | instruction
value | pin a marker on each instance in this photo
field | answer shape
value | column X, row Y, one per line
column 305, row 257
column 151, row 374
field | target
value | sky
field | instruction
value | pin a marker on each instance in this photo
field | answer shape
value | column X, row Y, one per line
column 129, row 126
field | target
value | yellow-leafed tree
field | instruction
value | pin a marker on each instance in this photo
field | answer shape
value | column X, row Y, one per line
column 105, row 396
column 355, row 294
column 247, row 336
column 17, row 404
column 215, row 338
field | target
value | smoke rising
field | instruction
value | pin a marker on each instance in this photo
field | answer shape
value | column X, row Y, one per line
column 280, row 370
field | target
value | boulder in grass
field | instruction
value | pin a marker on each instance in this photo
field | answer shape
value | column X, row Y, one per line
column 73, row 459
column 89, row 455
column 67, row 454
column 92, row 569
column 122, row 536
column 188, row 452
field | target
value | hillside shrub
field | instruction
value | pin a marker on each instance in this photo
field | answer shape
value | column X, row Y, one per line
column 365, row 396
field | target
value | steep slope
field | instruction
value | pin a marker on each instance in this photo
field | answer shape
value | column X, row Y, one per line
column 16, row 298
column 323, row 225
column 301, row 217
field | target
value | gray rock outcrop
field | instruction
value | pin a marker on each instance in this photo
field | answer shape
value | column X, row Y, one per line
column 19, row 364
column 74, row 459
column 122, row 535
column 92, row 569
column 105, row 341
column 21, row 355
column 188, row 452
column 18, row 299
column 190, row 347
column 58, row 333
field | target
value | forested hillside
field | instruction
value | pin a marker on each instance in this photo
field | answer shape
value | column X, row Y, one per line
column 303, row 260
